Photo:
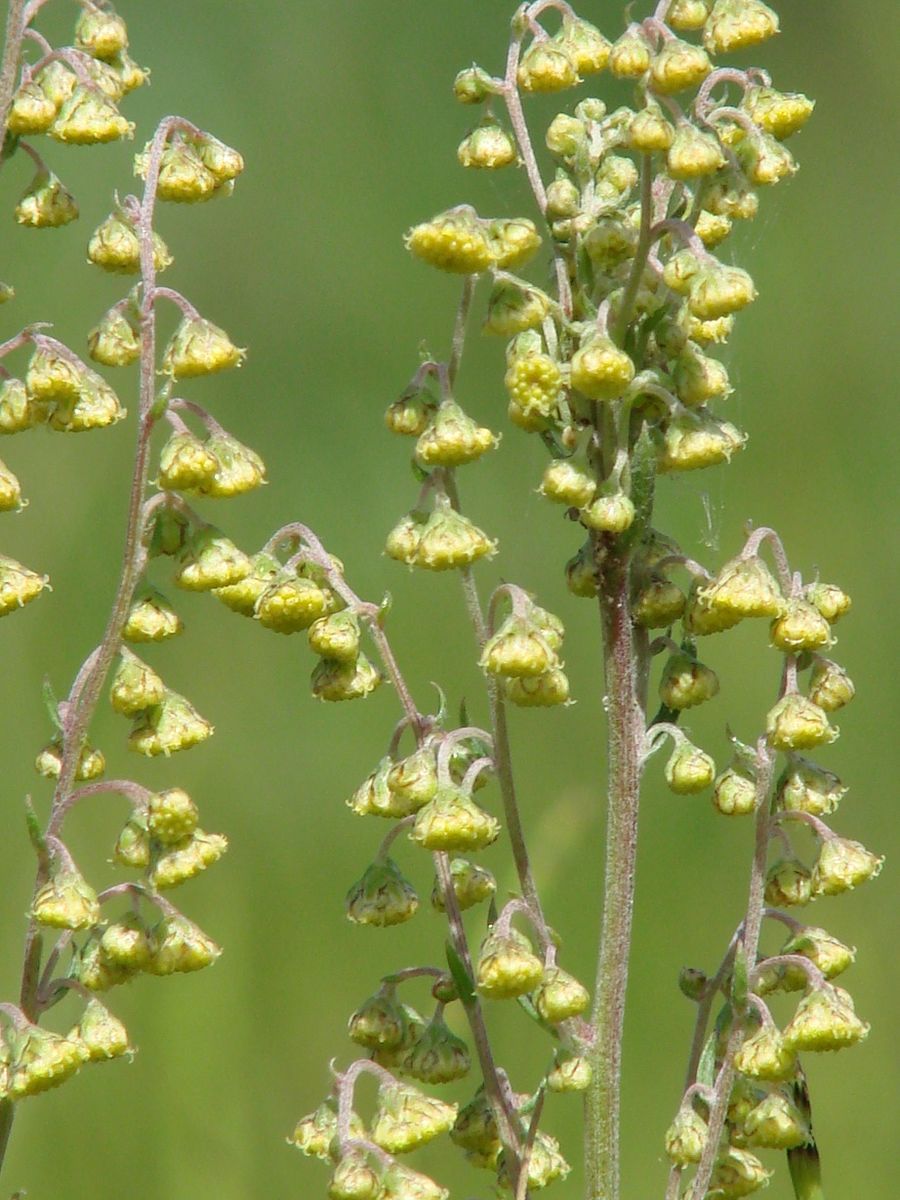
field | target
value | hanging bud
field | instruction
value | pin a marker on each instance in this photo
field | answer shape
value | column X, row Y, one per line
column 717, row 331
column 102, row 34
column 332, row 680
column 800, row 627
column 513, row 242
column 87, row 119
column 475, row 1128
column 379, row 1022
column 570, row 1073
column 788, row 884
column 764, row 1055
column 452, row 821
column 545, row 1165
column 563, row 198
column 354, row 1179
column 600, row 370
column 712, row 230
column 677, row 66
column 540, row 691
column 719, row 291
column 795, row 723
column 223, row 161
column 471, row 885
column 612, row 512
column 102, row 1034
column 830, row 686
column 517, row 648
column 403, row 540
column 546, row 67
column 114, row 246
column 566, row 483
column 402, row 1183
column 10, row 491
column 170, row 726
column 452, row 438
column 43, row 1060
column 843, row 865
column 824, row 1020
column 54, row 376
column 686, row 1137
column 448, row 540
column 453, row 241
column 687, row 16
column 473, row 86
column 242, row 597
column 658, row 604
column 210, row 560
column 91, row 763
column 95, row 972
column 132, row 848
column 699, row 378
column 439, row 1056
column 31, row 111
column 170, row 531
column 313, row 1134
column 649, row 131
column 738, row 1173
column 66, row 901
column 96, row 406
column 185, row 861
column 19, row 410
column 736, row 24
column 113, row 342
column 410, row 414
column 534, row 385
column 374, row 798
column 744, row 587
column 765, row 161
column 734, row 792
column 581, row 574
column 831, row 956
column 629, row 56
column 125, row 943
column 413, row 781
column 183, row 176
column 383, row 896
column 560, row 996
column 151, row 618
column 693, row 153
column 831, row 602
column 186, row 463
column 776, row 1124
column 180, row 946
column 46, row 204
column 198, row 347
column 391, row 1057
column 584, row 44
column 406, row 1118
column 698, row 440
column 487, row 147
column 515, row 307
column 692, row 983
column 290, row 604
column 686, row 682
column 335, row 636
column 135, row 686
column 689, row 769
column 778, row 114
column 507, row 966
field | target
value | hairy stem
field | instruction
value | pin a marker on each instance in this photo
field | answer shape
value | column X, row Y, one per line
column 625, row 740
column 9, row 64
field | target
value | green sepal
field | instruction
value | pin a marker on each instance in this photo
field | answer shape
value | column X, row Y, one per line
column 740, row 979
column 51, row 704
column 706, row 1068
column 384, row 608
column 644, row 459
column 460, row 976
column 35, row 834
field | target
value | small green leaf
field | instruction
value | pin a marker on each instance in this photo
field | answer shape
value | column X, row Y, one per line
column 51, row 704
column 460, row 976
column 740, row 979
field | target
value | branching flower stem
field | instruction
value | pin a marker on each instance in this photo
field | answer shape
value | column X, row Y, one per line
column 77, row 711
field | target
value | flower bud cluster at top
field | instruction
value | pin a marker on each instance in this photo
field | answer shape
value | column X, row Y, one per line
column 70, row 94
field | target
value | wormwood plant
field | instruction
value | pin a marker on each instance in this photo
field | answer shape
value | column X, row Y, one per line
column 612, row 366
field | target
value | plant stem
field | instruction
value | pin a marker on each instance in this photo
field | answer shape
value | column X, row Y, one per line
column 9, row 64
column 625, row 739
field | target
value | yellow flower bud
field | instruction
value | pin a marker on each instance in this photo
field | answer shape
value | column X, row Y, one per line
column 546, row 67
column 180, row 946
column 183, row 176
column 612, row 512
column 686, row 682
column 452, row 438
column 333, row 681
column 830, row 686
column 560, row 996
column 828, row 598
column 448, row 540
column 779, row 114
column 31, row 112
column 566, row 483
column 688, row 15
column 171, row 725
column 507, row 966
column 487, row 147
column 765, row 161
column 102, row 1034
column 115, row 247
column 113, row 342
column 800, row 627
column 694, row 153
column 824, row 1020
column 513, row 242
column 788, row 884
column 534, row 384
column 719, row 292
column 46, row 204
column 738, row 1173
column 515, row 307
column 210, row 560
column 135, row 686
column 686, row 1137
column 795, row 723
column 649, row 131
column 86, row 118
column 471, row 885
column 804, row 787
column 407, row 1118
column 711, row 229
column 382, row 897
column 735, row 24
column 187, row 859
column 689, row 770
column 776, row 1124
column 100, row 34
column 453, row 241
column 198, row 347
column 66, row 901
column 20, row 410
column 734, row 793
column 600, row 370
column 584, row 44
column 453, row 821
column 678, row 65
column 764, row 1055
column 698, row 440
column 843, row 865
column 629, row 56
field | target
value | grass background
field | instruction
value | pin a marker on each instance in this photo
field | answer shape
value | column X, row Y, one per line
column 344, row 115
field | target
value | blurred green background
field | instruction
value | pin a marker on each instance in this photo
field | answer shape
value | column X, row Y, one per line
column 343, row 113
